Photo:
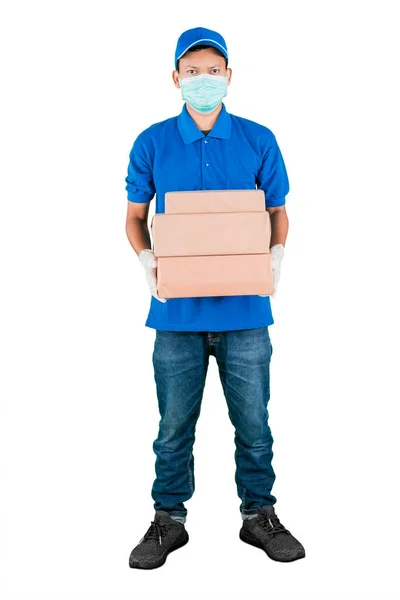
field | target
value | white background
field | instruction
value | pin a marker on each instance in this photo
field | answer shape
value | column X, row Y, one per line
column 80, row 80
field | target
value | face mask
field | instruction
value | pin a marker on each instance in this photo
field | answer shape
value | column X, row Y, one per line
column 204, row 92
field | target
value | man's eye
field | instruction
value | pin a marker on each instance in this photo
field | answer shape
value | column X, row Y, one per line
column 215, row 69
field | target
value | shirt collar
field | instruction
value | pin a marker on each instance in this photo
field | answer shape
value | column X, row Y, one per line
column 190, row 132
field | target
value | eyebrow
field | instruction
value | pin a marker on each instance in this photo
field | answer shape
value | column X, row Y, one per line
column 192, row 67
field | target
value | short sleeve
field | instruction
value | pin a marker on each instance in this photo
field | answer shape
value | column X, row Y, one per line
column 272, row 176
column 139, row 181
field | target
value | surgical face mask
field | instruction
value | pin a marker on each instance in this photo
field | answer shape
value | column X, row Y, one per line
column 204, row 92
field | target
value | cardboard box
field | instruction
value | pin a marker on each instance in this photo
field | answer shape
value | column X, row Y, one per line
column 213, row 243
column 229, row 275
column 203, row 234
column 201, row 201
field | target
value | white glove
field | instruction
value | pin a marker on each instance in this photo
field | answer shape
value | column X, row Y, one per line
column 277, row 254
column 149, row 263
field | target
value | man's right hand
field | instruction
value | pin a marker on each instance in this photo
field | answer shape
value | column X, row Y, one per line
column 149, row 263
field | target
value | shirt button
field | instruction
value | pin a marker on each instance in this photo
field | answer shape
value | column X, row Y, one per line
column 205, row 141
column 207, row 164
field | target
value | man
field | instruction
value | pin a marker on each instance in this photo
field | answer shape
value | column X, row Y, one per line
column 207, row 148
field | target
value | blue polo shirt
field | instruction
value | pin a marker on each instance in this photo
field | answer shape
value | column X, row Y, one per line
column 175, row 155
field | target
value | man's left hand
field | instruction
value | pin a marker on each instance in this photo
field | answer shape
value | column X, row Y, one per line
column 277, row 254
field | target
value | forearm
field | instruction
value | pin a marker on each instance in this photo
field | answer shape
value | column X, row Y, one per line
column 138, row 234
column 279, row 228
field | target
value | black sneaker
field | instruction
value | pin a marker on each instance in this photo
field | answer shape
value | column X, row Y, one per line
column 164, row 535
column 265, row 531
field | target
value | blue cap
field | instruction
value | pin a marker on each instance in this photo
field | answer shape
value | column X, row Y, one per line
column 196, row 36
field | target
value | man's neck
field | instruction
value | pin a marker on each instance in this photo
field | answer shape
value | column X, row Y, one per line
column 204, row 121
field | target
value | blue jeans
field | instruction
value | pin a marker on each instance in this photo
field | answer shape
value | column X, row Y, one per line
column 180, row 361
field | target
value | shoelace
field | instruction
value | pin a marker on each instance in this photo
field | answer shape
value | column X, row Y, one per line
column 155, row 532
column 272, row 524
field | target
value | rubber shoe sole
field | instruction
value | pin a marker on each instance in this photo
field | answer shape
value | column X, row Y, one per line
column 181, row 541
column 258, row 544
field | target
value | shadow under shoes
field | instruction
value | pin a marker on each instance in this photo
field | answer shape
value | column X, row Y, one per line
column 164, row 535
column 265, row 531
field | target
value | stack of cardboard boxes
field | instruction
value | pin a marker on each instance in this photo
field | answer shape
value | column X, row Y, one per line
column 213, row 243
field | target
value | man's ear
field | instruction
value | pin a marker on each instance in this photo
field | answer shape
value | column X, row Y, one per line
column 175, row 77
